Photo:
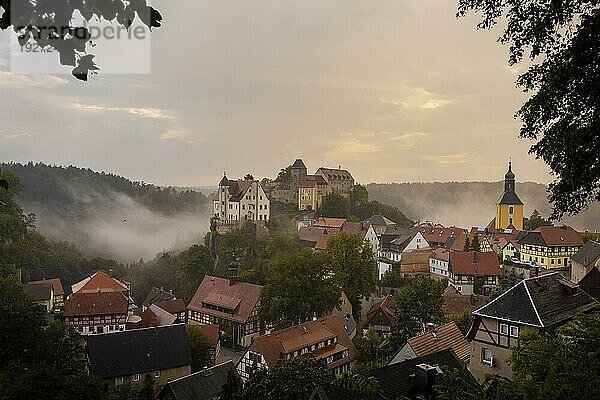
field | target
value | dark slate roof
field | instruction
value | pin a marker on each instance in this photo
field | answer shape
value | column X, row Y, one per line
column 541, row 301
column 590, row 283
column 224, row 181
column 510, row 197
column 38, row 292
column 202, row 385
column 155, row 295
column 298, row 164
column 398, row 379
column 138, row 351
column 379, row 220
column 588, row 254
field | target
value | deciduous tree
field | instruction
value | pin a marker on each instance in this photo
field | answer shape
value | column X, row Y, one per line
column 415, row 306
column 300, row 287
column 354, row 266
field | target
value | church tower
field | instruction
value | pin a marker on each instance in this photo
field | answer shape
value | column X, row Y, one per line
column 509, row 209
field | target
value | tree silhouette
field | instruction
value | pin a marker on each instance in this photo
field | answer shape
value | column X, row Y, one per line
column 51, row 23
column 562, row 39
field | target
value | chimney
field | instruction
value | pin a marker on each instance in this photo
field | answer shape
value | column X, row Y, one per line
column 425, row 379
column 234, row 266
column 533, row 271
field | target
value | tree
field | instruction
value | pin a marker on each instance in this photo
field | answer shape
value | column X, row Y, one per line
column 508, row 278
column 292, row 379
column 535, row 221
column 463, row 320
column 300, row 287
column 334, row 205
column 147, row 391
column 233, row 388
column 354, row 266
column 369, row 347
column 284, row 175
column 199, row 347
column 52, row 24
column 475, row 244
column 366, row 387
column 415, row 306
column 590, row 236
column 18, row 313
column 562, row 39
column 467, row 246
column 358, row 196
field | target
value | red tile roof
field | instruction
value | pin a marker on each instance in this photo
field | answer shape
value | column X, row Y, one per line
column 358, row 228
column 238, row 188
column 384, row 305
column 155, row 316
column 215, row 289
column 97, row 303
column 444, row 337
column 99, row 282
column 310, row 233
column 439, row 234
column 272, row 346
column 56, row 285
column 326, row 222
column 210, row 332
column 560, row 236
column 456, row 303
column 173, row 306
column 474, row 263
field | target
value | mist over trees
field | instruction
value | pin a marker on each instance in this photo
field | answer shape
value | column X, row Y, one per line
column 469, row 204
column 108, row 215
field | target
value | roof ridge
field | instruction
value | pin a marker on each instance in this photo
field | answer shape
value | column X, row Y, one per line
column 533, row 304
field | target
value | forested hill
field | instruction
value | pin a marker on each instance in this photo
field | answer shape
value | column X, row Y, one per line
column 469, row 204
column 105, row 214
column 71, row 188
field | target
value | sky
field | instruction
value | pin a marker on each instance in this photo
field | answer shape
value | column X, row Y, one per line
column 394, row 91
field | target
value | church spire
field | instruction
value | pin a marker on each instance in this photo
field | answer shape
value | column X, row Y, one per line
column 509, row 178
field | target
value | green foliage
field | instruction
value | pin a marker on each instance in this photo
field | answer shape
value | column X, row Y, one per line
column 334, row 205
column 508, row 278
column 354, row 266
column 39, row 361
column 199, row 347
column 233, row 388
column 284, row 175
column 370, row 351
column 595, row 236
column 366, row 387
column 147, row 391
column 358, row 196
column 562, row 39
column 394, row 278
column 292, row 379
column 19, row 314
column 416, row 305
column 475, row 245
column 364, row 211
column 535, row 221
column 467, row 246
column 299, row 288
column 463, row 320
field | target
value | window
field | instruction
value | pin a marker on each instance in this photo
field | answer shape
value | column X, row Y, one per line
column 504, row 329
column 514, row 331
column 157, row 374
column 486, row 356
column 511, row 210
column 119, row 380
column 136, row 377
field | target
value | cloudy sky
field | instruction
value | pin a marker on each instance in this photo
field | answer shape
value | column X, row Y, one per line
column 394, row 90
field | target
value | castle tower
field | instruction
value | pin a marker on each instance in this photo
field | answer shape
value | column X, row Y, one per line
column 509, row 208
